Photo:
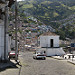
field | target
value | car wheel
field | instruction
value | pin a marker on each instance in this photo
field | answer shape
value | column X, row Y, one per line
column 33, row 57
column 65, row 58
column 9, row 58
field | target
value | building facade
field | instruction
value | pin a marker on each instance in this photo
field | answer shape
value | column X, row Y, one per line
column 4, row 38
column 49, row 42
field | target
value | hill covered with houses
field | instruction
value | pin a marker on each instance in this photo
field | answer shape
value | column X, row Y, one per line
column 58, row 14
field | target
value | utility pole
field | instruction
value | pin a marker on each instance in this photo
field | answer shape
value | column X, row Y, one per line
column 16, row 50
column 5, row 23
column 5, row 30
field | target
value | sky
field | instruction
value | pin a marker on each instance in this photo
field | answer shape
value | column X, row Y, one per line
column 19, row 0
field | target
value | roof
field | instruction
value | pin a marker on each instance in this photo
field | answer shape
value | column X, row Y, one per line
column 49, row 34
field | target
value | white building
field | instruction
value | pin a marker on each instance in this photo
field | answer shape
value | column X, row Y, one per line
column 4, row 37
column 50, row 43
column 3, row 52
column 49, row 40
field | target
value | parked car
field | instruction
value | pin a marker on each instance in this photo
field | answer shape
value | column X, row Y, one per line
column 69, row 56
column 38, row 55
column 12, row 54
column 33, row 49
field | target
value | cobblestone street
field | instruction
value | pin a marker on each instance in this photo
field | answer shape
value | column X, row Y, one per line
column 49, row 66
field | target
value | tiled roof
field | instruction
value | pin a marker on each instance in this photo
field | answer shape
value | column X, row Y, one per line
column 49, row 34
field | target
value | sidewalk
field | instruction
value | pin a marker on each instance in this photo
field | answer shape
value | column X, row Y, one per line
column 61, row 58
column 58, row 57
column 71, row 61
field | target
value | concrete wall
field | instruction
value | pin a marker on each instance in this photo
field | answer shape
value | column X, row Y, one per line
column 54, row 51
column 4, row 54
column 45, row 41
column 1, row 41
column 73, row 52
column 7, row 45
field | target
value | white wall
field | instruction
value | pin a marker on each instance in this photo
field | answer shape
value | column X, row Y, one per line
column 2, row 40
column 54, row 51
column 73, row 52
column 45, row 41
column 12, row 43
column 7, row 46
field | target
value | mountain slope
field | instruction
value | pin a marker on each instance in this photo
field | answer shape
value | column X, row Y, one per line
column 51, row 12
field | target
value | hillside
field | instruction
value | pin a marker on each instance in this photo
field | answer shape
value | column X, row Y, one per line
column 49, row 10
column 57, row 13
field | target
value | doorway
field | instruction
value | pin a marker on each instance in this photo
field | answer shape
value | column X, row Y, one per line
column 51, row 42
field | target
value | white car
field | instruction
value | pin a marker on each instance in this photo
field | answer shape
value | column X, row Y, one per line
column 38, row 55
column 69, row 56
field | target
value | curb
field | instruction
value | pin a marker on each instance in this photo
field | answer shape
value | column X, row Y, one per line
column 71, row 62
column 58, row 58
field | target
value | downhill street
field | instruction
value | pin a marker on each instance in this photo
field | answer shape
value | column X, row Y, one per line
column 49, row 66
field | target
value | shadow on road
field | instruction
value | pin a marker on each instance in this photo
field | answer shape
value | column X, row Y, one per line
column 7, row 65
column 39, row 59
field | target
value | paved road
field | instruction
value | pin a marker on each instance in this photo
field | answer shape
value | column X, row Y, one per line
column 49, row 66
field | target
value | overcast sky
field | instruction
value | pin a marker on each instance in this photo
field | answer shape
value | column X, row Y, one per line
column 19, row 0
